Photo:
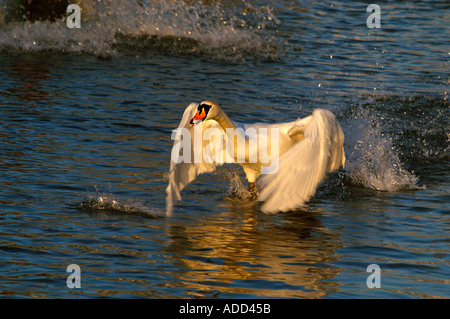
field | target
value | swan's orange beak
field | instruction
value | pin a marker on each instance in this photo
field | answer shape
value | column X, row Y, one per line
column 199, row 116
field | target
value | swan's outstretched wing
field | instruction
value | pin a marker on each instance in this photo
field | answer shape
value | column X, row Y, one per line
column 186, row 162
column 304, row 165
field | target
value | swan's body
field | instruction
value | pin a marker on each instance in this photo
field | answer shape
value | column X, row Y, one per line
column 307, row 149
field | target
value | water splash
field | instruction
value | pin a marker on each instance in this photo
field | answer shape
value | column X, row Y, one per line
column 98, row 201
column 109, row 28
column 372, row 159
column 237, row 190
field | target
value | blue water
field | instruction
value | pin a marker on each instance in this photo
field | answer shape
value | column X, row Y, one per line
column 85, row 137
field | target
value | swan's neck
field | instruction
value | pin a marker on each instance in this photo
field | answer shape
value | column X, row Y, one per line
column 224, row 121
column 239, row 143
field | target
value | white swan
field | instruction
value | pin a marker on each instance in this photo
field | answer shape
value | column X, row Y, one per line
column 308, row 148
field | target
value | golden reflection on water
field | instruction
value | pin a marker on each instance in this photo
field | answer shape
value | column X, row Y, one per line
column 248, row 253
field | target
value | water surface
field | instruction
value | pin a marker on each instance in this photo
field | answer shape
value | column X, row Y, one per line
column 85, row 123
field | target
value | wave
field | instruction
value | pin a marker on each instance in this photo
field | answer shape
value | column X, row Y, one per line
column 144, row 28
column 391, row 140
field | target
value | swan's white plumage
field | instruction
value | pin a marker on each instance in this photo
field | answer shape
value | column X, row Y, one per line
column 183, row 173
column 302, row 162
column 304, row 165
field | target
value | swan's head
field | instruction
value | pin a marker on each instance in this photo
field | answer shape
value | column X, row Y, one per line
column 206, row 110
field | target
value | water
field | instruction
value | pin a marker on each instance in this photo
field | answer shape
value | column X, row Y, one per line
column 85, row 124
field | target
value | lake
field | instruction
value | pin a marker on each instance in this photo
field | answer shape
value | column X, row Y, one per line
column 86, row 116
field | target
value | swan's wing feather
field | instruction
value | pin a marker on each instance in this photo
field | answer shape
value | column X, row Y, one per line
column 294, row 183
column 185, row 169
column 304, row 165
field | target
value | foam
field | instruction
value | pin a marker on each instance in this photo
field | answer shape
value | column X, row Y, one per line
column 216, row 30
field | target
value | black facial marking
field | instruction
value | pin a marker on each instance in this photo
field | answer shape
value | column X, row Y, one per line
column 207, row 107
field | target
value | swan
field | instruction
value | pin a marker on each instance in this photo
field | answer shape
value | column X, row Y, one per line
column 301, row 153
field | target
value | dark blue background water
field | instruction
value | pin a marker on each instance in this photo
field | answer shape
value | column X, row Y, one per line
column 85, row 124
